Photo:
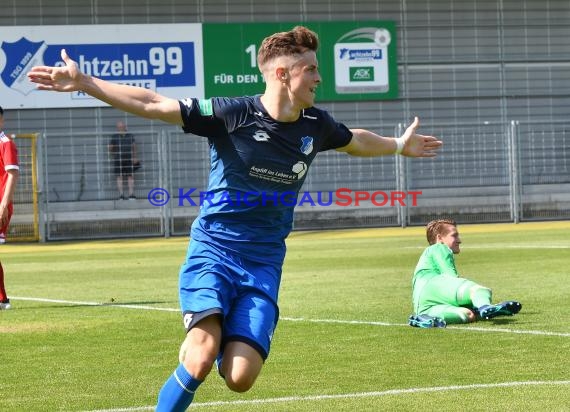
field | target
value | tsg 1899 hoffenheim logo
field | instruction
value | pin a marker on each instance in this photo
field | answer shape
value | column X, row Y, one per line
column 306, row 145
column 20, row 57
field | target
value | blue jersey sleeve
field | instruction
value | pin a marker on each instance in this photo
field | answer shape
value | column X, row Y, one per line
column 337, row 134
column 199, row 118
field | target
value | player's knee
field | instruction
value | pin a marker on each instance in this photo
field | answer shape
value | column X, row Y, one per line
column 241, row 383
column 197, row 360
column 199, row 368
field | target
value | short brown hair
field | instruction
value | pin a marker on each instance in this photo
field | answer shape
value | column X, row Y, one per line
column 438, row 227
column 296, row 41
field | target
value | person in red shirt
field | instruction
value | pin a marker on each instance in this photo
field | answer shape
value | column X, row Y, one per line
column 9, row 172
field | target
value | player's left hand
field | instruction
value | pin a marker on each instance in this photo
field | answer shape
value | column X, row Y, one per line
column 419, row 145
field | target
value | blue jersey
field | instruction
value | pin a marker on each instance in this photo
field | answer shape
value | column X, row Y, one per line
column 258, row 166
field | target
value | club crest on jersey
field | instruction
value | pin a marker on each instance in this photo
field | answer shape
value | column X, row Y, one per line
column 306, row 145
column 261, row 136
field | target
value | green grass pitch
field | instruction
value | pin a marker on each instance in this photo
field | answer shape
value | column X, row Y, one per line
column 95, row 326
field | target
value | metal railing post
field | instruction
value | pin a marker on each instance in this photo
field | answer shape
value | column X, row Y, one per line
column 401, row 181
column 514, row 171
column 164, row 180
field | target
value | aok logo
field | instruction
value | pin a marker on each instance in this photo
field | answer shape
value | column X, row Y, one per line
column 362, row 74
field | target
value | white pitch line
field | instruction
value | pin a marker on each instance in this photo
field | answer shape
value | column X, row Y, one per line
column 288, row 319
column 515, row 331
column 311, row 398
column 80, row 303
column 468, row 328
column 496, row 246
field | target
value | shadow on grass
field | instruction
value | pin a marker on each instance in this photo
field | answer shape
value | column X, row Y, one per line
column 502, row 321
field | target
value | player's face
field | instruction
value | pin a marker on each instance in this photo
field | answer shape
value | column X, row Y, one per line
column 305, row 78
column 1, row 122
column 451, row 239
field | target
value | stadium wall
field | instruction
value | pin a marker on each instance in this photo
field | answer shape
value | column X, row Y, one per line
column 489, row 77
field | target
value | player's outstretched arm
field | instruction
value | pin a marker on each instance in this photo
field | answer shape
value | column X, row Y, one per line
column 136, row 100
column 365, row 143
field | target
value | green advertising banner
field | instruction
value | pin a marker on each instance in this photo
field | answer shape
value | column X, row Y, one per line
column 357, row 60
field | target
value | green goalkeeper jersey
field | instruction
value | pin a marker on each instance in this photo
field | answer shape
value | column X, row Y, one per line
column 436, row 259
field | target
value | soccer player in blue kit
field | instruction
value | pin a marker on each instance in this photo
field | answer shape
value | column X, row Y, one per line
column 260, row 148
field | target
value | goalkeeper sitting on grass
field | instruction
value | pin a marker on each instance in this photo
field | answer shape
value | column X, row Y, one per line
column 440, row 296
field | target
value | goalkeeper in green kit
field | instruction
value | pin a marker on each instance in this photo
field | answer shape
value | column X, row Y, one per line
column 439, row 295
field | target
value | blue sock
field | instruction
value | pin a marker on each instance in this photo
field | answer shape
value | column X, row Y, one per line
column 178, row 391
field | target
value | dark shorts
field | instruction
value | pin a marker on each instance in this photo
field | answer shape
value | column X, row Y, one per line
column 124, row 167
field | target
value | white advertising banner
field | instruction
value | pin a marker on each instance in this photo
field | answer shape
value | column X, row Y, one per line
column 166, row 58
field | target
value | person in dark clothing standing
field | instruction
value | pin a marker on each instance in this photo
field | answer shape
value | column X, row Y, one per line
column 124, row 152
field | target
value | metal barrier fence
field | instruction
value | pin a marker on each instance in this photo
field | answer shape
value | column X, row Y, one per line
column 24, row 225
column 485, row 173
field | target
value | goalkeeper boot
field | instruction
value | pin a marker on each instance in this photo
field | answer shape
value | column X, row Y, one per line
column 506, row 308
column 426, row 321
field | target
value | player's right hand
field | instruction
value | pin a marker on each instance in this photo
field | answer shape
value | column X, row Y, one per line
column 61, row 79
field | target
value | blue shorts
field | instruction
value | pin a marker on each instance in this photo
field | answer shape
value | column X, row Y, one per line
column 242, row 291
